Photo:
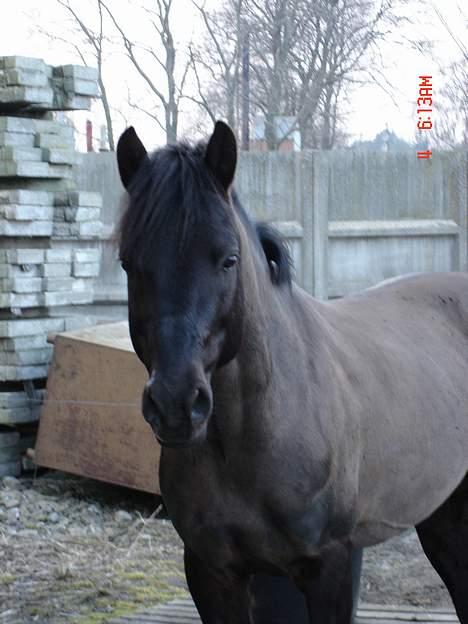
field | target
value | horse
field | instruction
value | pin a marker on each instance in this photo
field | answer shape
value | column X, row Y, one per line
column 292, row 430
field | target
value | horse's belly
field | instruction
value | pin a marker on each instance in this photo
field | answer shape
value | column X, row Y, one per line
column 406, row 489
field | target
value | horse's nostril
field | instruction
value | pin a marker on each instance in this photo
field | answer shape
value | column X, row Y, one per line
column 201, row 404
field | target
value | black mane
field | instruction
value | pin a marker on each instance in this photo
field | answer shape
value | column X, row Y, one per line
column 177, row 176
column 276, row 252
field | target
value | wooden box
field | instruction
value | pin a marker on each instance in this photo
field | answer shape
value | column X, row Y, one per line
column 91, row 422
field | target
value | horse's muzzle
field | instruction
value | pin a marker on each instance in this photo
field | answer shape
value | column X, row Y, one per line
column 177, row 423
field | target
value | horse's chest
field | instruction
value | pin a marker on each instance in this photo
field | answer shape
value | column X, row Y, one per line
column 227, row 525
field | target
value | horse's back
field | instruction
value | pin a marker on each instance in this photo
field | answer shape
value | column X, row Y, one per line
column 404, row 345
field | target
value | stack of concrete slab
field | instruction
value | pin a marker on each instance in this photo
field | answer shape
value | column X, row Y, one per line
column 49, row 233
column 31, row 84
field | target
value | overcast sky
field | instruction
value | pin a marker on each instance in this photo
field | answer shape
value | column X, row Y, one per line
column 370, row 109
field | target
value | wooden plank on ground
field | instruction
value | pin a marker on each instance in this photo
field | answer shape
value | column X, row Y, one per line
column 184, row 612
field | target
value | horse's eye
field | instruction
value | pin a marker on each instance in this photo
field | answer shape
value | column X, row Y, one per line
column 229, row 262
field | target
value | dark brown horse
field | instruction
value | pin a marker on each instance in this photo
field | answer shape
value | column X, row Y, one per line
column 292, row 430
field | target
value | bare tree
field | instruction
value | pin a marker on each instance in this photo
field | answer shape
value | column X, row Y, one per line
column 95, row 40
column 304, row 54
column 451, row 125
column 216, row 61
column 147, row 61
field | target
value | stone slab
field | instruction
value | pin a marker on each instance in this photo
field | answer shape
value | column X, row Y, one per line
column 56, row 269
column 25, row 77
column 58, row 255
column 59, row 155
column 26, row 228
column 86, row 269
column 86, row 255
column 29, row 327
column 22, row 256
column 28, row 197
column 55, row 284
column 39, row 97
column 53, row 141
column 24, row 62
column 80, row 86
column 19, row 344
column 12, row 168
column 9, row 438
column 16, row 139
column 80, row 72
column 21, row 373
column 26, row 357
column 18, row 212
column 23, row 300
column 10, row 469
column 10, row 152
column 21, row 285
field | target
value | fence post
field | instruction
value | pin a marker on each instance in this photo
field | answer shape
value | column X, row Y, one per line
column 462, row 179
column 321, row 181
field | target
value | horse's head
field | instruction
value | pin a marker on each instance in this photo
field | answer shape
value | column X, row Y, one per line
column 181, row 249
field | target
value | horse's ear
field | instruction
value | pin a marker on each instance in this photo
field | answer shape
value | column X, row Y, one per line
column 221, row 154
column 130, row 155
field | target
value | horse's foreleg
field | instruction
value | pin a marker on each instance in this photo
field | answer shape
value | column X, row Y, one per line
column 327, row 585
column 219, row 599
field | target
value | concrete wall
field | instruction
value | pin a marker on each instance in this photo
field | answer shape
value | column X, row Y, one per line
column 352, row 219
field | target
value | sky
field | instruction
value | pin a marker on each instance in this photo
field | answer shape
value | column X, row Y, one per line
column 370, row 108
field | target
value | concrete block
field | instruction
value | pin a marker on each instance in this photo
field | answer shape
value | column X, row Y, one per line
column 19, row 415
column 18, row 124
column 74, row 214
column 79, row 86
column 9, row 454
column 58, row 255
column 26, row 228
column 9, row 438
column 28, row 357
column 25, row 62
column 20, row 153
column 53, row 141
column 80, row 72
column 55, row 284
column 16, row 212
column 58, row 298
column 86, row 255
column 82, row 297
column 13, row 399
column 12, row 168
column 59, row 155
column 10, row 469
column 21, row 285
column 84, row 199
column 62, row 230
column 16, row 139
column 13, row 328
column 23, row 196
column 90, row 229
column 77, row 102
column 26, row 78
column 20, row 373
column 10, row 271
column 39, row 97
column 23, row 256
column 56, row 269
column 60, row 171
column 23, row 300
column 20, row 344
column 86, row 269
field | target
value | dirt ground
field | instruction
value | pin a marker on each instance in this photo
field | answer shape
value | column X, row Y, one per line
column 79, row 551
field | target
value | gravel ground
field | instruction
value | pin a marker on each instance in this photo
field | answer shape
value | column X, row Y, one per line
column 79, row 551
